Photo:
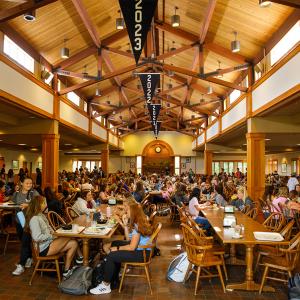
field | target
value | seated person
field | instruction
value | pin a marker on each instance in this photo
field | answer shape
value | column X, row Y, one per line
column 168, row 190
column 3, row 198
column 139, row 192
column 180, row 196
column 194, row 208
column 41, row 232
column 206, row 190
column 85, row 185
column 293, row 203
column 242, row 199
column 219, row 198
column 138, row 233
column 85, row 204
column 52, row 203
column 104, row 194
column 297, row 188
column 281, row 197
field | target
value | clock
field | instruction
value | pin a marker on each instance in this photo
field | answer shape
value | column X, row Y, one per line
column 157, row 149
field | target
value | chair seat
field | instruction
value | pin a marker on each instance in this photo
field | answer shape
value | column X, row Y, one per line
column 269, row 250
column 218, row 250
column 50, row 257
column 277, row 263
column 209, row 260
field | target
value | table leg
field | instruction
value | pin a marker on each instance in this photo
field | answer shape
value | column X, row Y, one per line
column 249, row 283
column 85, row 250
column 233, row 260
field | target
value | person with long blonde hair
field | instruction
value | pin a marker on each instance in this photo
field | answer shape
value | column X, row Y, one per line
column 138, row 232
column 242, row 199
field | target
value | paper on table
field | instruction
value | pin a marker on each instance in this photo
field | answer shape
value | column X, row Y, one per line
column 94, row 230
column 79, row 229
column 268, row 236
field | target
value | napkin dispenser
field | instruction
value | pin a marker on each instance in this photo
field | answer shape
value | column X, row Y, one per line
column 229, row 209
column 229, row 220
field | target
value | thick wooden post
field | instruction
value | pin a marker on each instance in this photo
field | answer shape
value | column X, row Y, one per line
column 50, row 157
column 255, row 165
column 105, row 160
column 208, row 155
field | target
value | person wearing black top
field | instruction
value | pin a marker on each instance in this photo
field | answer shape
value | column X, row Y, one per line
column 52, row 203
column 38, row 181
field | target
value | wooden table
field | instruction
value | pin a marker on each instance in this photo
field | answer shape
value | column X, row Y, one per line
column 9, row 206
column 215, row 218
column 81, row 221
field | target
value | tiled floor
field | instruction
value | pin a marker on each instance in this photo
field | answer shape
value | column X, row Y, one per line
column 169, row 243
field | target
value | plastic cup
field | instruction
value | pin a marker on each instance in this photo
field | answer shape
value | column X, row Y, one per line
column 75, row 227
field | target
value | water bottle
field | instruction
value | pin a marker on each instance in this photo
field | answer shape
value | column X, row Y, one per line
column 242, row 229
column 108, row 212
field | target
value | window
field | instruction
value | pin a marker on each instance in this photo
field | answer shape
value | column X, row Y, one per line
column 99, row 119
column 18, row 54
column 286, row 43
column 216, row 167
column 225, row 166
column 230, row 167
column 234, row 95
column 74, row 98
column 86, row 164
column 244, row 167
column 139, row 165
column 212, row 118
column 93, row 163
column 294, row 166
column 177, row 165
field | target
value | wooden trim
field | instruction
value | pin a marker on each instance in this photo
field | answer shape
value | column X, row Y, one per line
column 14, row 65
column 278, row 99
column 235, row 103
column 98, row 123
column 24, row 105
column 63, row 121
column 97, row 137
column 236, row 124
column 293, row 52
column 56, row 107
column 74, row 106
column 249, row 105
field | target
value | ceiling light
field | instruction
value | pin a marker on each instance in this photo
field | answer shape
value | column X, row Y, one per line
column 45, row 75
column 29, row 16
column 173, row 48
column 297, row 144
column 34, row 149
column 65, row 52
column 175, row 19
column 171, row 72
column 85, row 73
column 119, row 22
column 244, row 144
column 210, row 90
column 22, row 144
column 264, row 3
column 68, row 144
column 202, row 100
column 235, row 45
column 76, row 149
column 219, row 69
column 98, row 91
column 267, row 139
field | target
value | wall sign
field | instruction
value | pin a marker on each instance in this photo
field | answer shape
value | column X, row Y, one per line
column 154, row 110
column 138, row 15
column 149, row 82
column 156, row 128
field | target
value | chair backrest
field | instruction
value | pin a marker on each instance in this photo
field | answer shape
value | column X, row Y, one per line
column 275, row 222
column 152, row 217
column 71, row 214
column 293, row 252
column 55, row 220
column 252, row 213
column 246, row 209
column 287, row 230
column 196, row 227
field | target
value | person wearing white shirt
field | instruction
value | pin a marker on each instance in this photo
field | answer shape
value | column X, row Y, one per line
column 292, row 182
column 85, row 204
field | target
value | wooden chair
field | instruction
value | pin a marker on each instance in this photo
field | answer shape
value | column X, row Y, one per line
column 269, row 250
column 7, row 232
column 44, row 259
column 246, row 209
column 152, row 217
column 147, row 260
column 275, row 222
column 55, row 220
column 282, row 264
column 252, row 213
column 200, row 257
column 71, row 214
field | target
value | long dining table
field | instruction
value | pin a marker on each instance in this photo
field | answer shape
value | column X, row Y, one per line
column 215, row 217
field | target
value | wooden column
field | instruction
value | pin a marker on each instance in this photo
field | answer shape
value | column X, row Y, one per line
column 255, row 165
column 50, row 157
column 105, row 160
column 208, row 155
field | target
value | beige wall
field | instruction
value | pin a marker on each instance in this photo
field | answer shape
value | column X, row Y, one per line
column 181, row 144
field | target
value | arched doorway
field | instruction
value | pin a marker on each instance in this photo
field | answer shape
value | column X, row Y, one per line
column 158, row 157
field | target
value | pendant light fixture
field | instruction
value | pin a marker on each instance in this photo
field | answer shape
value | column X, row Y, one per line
column 175, row 19
column 171, row 72
column 30, row 16
column 85, row 73
column 264, row 3
column 173, row 48
column 120, row 22
column 202, row 100
column 128, row 49
column 210, row 90
column 65, row 52
column 98, row 91
column 235, row 45
column 219, row 69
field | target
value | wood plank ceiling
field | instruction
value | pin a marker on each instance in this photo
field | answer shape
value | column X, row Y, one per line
column 89, row 24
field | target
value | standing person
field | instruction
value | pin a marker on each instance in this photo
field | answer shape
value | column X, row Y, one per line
column 10, row 179
column 238, row 174
column 23, row 198
column 292, row 182
column 38, row 181
column 2, row 170
column 21, row 175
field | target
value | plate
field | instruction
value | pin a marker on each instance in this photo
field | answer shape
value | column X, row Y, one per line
column 268, row 236
column 95, row 230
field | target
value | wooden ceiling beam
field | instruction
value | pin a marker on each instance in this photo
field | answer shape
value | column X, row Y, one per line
column 18, row 10
column 136, row 130
column 81, row 10
column 291, row 3
column 207, row 19
column 209, row 79
column 117, row 51
column 175, row 52
column 114, row 37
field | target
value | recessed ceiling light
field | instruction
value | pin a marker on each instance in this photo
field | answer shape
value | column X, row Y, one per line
column 34, row 149
column 68, row 144
column 1, row 140
column 31, row 117
column 76, row 149
column 244, row 144
column 297, row 144
column 267, row 139
column 22, row 144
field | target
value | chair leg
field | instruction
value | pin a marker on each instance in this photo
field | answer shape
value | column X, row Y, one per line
column 187, row 273
column 263, row 279
column 6, row 242
column 221, row 278
column 122, row 278
column 257, row 262
column 224, row 267
column 34, row 271
column 57, row 271
column 148, row 278
column 197, row 280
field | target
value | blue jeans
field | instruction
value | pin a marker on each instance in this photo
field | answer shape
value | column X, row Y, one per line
column 203, row 221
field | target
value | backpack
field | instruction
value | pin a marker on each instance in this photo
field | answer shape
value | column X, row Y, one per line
column 178, row 268
column 294, row 287
column 78, row 283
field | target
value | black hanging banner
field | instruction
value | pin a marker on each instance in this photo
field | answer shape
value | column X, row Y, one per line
column 138, row 15
column 154, row 110
column 156, row 128
column 149, row 82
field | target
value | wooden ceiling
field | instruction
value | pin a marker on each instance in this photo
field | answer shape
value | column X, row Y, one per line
column 87, row 24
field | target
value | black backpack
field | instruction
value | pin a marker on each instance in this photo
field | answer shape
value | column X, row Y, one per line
column 294, row 287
